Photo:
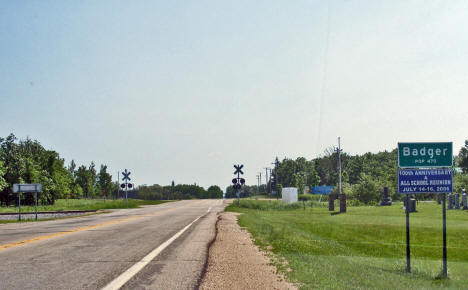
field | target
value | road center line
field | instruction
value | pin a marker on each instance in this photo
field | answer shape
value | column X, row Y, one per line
column 59, row 234
column 138, row 266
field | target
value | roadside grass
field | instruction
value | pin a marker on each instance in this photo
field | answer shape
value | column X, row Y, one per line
column 83, row 204
column 363, row 248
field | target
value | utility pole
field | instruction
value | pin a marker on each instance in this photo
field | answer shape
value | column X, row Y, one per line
column 260, row 180
column 266, row 179
column 341, row 195
column 276, row 163
column 118, row 184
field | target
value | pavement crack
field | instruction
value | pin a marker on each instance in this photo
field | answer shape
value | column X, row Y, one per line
column 205, row 265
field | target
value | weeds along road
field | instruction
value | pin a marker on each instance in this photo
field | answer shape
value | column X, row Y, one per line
column 158, row 247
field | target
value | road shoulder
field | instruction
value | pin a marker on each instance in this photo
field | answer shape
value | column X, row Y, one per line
column 234, row 262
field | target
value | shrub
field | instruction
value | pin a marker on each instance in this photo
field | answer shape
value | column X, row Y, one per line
column 266, row 205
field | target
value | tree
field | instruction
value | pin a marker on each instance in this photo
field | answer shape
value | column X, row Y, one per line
column 14, row 166
column 27, row 161
column 311, row 176
column 460, row 182
column 62, row 179
column 3, row 183
column 85, row 181
column 326, row 169
column 300, row 182
column 367, row 190
column 463, row 158
column 72, row 168
column 92, row 179
column 152, row 192
column 279, row 190
column 104, row 181
column 215, row 192
column 285, row 171
column 76, row 191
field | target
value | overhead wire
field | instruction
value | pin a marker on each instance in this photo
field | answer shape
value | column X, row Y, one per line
column 324, row 82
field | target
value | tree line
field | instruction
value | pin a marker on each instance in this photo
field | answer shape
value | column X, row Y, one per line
column 363, row 176
column 179, row 191
column 27, row 161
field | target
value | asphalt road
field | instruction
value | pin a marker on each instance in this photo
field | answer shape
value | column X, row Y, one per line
column 95, row 251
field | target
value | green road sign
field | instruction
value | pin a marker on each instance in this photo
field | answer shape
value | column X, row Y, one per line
column 434, row 154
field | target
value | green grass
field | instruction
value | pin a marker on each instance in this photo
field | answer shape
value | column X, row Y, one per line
column 363, row 248
column 83, row 204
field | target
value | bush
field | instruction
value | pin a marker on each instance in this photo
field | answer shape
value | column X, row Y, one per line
column 367, row 190
column 304, row 197
column 460, row 181
column 266, row 205
column 353, row 202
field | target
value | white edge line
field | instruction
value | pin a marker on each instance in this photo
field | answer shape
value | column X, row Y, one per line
column 133, row 270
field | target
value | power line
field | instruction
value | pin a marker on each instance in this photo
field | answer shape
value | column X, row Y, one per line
column 324, row 80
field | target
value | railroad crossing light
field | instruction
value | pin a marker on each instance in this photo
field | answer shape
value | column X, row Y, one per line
column 234, row 181
column 122, row 185
column 242, row 181
column 130, row 185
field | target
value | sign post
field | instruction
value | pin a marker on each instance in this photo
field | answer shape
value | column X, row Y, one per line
column 444, row 236
column 408, row 254
column 19, row 206
column 33, row 187
column 35, row 205
column 425, row 168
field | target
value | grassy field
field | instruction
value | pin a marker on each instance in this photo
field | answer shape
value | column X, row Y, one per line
column 83, row 204
column 364, row 248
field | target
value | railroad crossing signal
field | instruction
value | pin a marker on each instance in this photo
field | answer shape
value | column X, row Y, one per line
column 128, row 185
column 238, row 169
column 126, row 178
column 126, row 175
column 238, row 181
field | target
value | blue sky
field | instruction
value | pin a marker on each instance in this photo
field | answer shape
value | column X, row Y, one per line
column 182, row 90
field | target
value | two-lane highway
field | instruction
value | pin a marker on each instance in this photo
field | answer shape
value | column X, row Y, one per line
column 154, row 247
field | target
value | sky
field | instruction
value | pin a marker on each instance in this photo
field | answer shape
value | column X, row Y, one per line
column 183, row 90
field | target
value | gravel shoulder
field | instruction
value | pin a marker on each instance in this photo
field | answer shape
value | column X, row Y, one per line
column 47, row 215
column 234, row 262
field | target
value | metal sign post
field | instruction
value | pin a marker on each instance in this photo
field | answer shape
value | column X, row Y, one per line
column 425, row 168
column 35, row 205
column 33, row 187
column 408, row 254
column 444, row 236
column 19, row 206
